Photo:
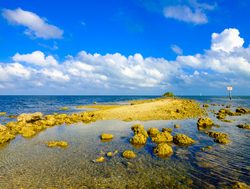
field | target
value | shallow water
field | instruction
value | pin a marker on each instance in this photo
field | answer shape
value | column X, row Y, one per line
column 29, row 163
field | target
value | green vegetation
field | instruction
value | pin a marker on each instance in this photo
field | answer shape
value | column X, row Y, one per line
column 168, row 94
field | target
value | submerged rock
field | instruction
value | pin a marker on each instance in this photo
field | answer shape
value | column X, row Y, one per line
column 204, row 123
column 181, row 139
column 129, row 154
column 244, row 126
column 162, row 137
column 106, row 136
column 167, row 130
column 61, row 144
column 2, row 113
column 99, row 159
column 153, row 132
column 28, row 118
column 138, row 139
column 163, row 150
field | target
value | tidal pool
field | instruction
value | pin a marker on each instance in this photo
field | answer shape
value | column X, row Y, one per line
column 29, row 163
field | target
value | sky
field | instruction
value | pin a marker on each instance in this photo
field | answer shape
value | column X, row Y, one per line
column 124, row 47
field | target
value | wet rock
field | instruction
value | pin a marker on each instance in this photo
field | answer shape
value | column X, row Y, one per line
column 61, row 144
column 29, row 118
column 153, row 132
column 5, row 134
column 110, row 154
column 99, row 159
column 139, row 129
column 242, row 110
column 2, row 113
column 162, row 137
column 216, row 134
column 163, row 150
column 138, row 139
column 240, row 185
column 64, row 108
column 167, row 130
column 206, row 148
column 27, row 132
column 205, row 105
column 177, row 126
column 181, row 139
column 244, row 126
column 222, row 140
column 204, row 123
column 129, row 154
column 106, row 136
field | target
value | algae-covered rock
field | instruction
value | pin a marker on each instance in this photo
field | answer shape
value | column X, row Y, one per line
column 61, row 144
column 5, row 135
column 153, row 131
column 244, row 126
column 177, row 126
column 106, row 136
column 181, row 139
column 138, row 139
column 167, row 130
column 162, row 137
column 139, row 129
column 240, row 185
column 64, row 108
column 28, row 118
column 163, row 150
column 99, row 159
column 204, row 123
column 129, row 154
column 2, row 113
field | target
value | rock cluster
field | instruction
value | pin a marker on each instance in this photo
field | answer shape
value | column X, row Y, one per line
column 140, row 135
column 183, row 140
column 219, row 137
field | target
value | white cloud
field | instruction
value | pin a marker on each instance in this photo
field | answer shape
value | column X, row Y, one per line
column 37, row 58
column 176, row 49
column 186, row 14
column 227, row 40
column 36, row 26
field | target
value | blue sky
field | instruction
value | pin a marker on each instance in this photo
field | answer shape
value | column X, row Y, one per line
column 124, row 47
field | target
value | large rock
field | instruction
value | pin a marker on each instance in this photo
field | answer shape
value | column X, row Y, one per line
column 139, row 129
column 184, row 140
column 242, row 110
column 162, row 137
column 163, row 150
column 153, row 132
column 106, row 136
column 244, row 126
column 29, row 118
column 219, row 137
column 138, row 139
column 5, row 134
column 204, row 123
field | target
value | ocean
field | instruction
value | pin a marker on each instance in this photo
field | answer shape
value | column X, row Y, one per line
column 29, row 163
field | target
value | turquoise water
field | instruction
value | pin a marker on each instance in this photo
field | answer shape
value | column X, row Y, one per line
column 28, row 163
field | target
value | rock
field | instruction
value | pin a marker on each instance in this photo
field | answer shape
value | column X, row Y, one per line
column 27, row 132
column 29, row 118
column 204, row 123
column 128, row 154
column 110, row 154
column 99, row 159
column 242, row 110
column 205, row 105
column 2, row 113
column 177, row 126
column 153, row 132
column 64, row 108
column 162, row 137
column 5, row 135
column 138, row 139
column 61, row 144
column 2, row 128
column 222, row 140
column 94, row 102
column 139, row 129
column 106, row 136
column 181, row 139
column 215, row 134
column 244, row 126
column 240, row 185
column 207, row 148
column 167, row 130
column 163, row 150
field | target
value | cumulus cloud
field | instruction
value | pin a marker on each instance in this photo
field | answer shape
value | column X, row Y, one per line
column 36, row 26
column 37, row 58
column 214, row 68
column 227, row 40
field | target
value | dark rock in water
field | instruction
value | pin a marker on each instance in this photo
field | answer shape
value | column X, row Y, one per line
column 204, row 123
column 184, row 140
column 244, row 126
column 242, row 110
